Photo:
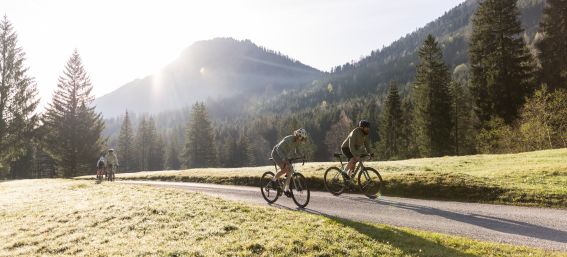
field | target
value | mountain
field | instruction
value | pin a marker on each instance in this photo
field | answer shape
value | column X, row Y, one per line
column 221, row 68
column 370, row 75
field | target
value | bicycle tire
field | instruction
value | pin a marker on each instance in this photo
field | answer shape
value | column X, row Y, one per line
column 299, row 190
column 372, row 184
column 334, row 182
column 267, row 191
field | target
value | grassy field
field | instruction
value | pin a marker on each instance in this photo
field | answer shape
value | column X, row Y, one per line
column 81, row 218
column 534, row 178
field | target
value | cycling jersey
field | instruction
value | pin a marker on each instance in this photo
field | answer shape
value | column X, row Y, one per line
column 355, row 142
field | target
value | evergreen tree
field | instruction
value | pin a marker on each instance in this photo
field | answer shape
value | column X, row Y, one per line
column 157, row 153
column 501, row 65
column 74, row 128
column 391, row 125
column 433, row 121
column 409, row 144
column 463, row 118
column 18, row 102
column 143, row 145
column 244, row 152
column 126, row 147
column 172, row 161
column 553, row 46
column 199, row 146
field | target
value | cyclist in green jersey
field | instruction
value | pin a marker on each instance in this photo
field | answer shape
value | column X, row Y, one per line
column 356, row 145
column 285, row 150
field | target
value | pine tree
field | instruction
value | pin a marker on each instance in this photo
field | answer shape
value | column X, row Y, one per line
column 244, row 152
column 433, row 121
column 391, row 125
column 143, row 145
column 199, row 146
column 126, row 147
column 172, row 161
column 157, row 153
column 18, row 101
column 74, row 128
column 409, row 144
column 501, row 65
column 553, row 46
column 463, row 120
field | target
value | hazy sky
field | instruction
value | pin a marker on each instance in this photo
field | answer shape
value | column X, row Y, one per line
column 123, row 40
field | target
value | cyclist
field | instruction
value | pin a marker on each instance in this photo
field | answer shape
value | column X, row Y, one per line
column 282, row 153
column 112, row 162
column 100, row 164
column 356, row 145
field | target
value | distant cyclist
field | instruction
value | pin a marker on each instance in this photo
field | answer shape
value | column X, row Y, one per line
column 111, row 163
column 356, row 145
column 100, row 165
column 286, row 150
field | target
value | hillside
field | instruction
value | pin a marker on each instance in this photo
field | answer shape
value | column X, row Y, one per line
column 370, row 75
column 213, row 69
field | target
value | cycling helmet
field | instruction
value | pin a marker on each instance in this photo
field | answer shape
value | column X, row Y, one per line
column 364, row 124
column 301, row 133
column 110, row 150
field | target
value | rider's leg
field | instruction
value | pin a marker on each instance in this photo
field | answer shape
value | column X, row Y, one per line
column 351, row 165
column 289, row 173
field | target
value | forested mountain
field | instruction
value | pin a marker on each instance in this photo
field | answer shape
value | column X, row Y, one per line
column 217, row 69
column 372, row 74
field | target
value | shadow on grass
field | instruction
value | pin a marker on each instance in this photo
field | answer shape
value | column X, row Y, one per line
column 409, row 244
column 489, row 222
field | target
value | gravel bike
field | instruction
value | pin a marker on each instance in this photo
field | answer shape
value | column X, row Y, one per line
column 369, row 180
column 299, row 191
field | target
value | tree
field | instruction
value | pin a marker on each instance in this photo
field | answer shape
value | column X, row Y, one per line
column 199, row 146
column 463, row 116
column 18, row 102
column 157, row 153
column 543, row 123
column 553, row 45
column 126, row 148
column 502, row 66
column 337, row 133
column 143, row 145
column 172, row 161
column 391, row 124
column 74, row 128
column 432, row 111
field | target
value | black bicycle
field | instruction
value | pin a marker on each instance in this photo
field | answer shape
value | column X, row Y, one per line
column 369, row 180
column 299, row 191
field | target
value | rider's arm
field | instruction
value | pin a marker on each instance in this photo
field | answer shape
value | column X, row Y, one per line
column 367, row 145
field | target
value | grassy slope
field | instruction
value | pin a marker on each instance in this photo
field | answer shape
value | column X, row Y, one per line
column 534, row 178
column 62, row 217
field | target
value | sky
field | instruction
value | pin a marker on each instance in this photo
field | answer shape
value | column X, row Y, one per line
column 120, row 41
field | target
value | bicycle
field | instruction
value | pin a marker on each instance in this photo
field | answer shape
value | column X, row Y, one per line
column 369, row 180
column 298, row 186
column 99, row 175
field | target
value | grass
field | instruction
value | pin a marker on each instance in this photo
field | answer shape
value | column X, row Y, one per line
column 531, row 179
column 81, row 218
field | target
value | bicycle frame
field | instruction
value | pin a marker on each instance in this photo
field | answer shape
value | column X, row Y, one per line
column 359, row 165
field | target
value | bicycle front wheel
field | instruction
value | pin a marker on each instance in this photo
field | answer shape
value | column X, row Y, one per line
column 370, row 182
column 270, row 192
column 334, row 181
column 299, row 190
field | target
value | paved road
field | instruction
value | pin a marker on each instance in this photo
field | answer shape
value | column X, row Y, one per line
column 537, row 227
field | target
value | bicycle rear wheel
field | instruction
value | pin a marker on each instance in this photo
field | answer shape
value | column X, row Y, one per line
column 334, row 181
column 270, row 192
column 299, row 190
column 370, row 183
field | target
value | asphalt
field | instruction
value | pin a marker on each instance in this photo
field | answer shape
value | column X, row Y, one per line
column 535, row 227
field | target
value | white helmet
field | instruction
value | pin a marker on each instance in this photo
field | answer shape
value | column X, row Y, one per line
column 301, row 133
